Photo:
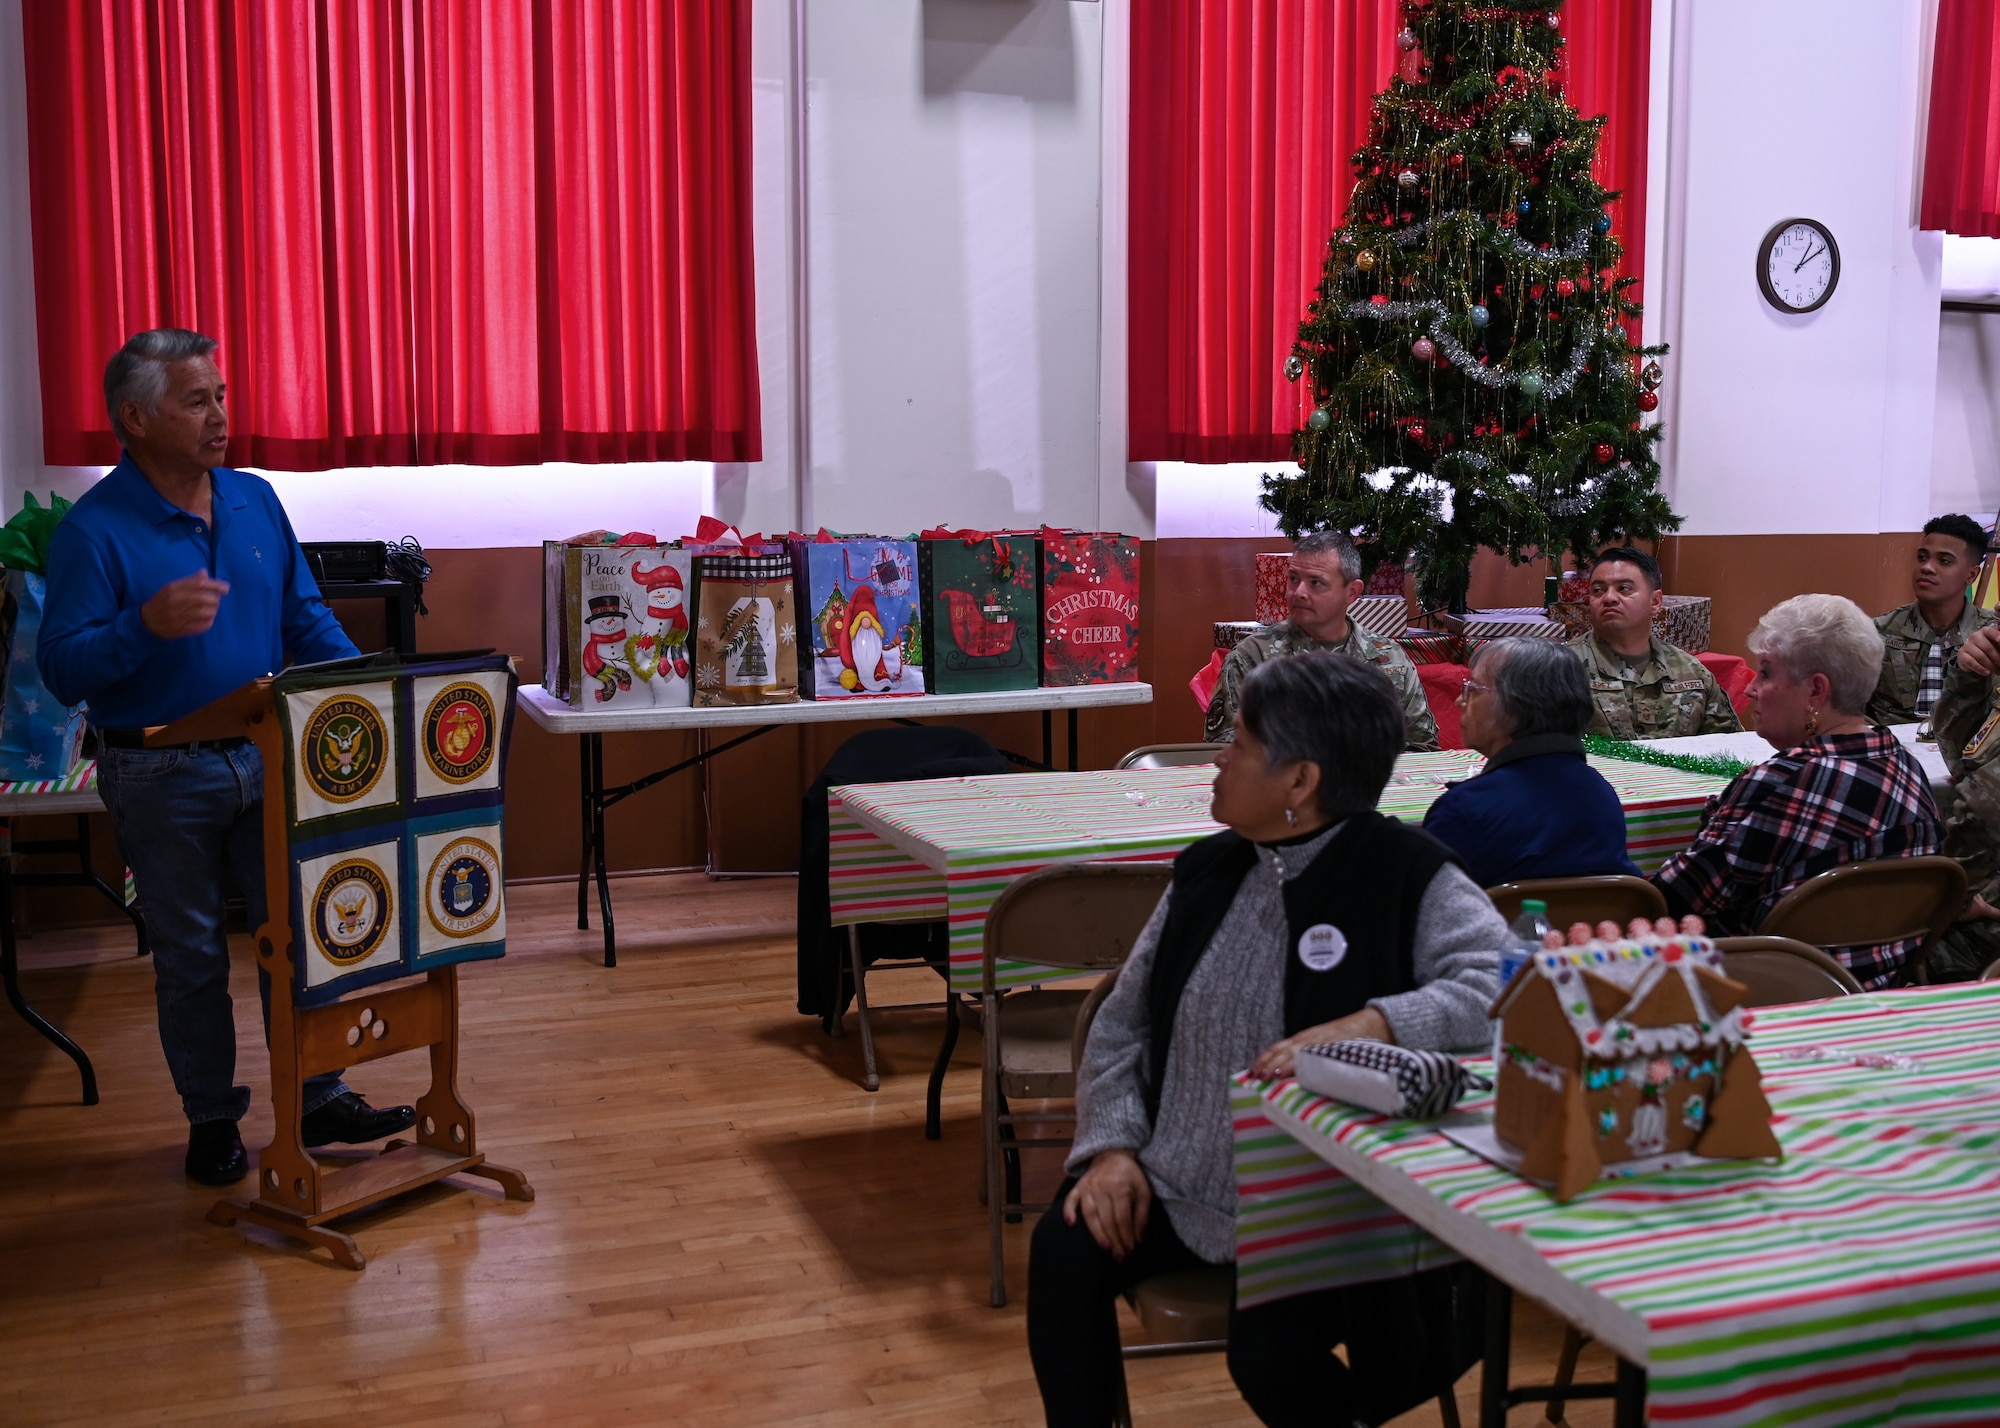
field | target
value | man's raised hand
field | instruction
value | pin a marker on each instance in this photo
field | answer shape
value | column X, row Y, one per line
column 186, row 607
column 1981, row 651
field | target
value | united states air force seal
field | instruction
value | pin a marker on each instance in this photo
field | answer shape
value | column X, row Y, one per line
column 351, row 911
column 458, row 733
column 343, row 751
column 462, row 891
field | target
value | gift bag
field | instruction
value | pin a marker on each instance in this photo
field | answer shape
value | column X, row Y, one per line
column 746, row 646
column 615, row 624
column 1090, row 608
column 39, row 738
column 864, row 634
column 980, row 590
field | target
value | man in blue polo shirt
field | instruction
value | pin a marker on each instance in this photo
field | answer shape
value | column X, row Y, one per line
column 173, row 581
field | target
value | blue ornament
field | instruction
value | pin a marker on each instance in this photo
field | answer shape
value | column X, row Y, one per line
column 1603, row 223
column 1525, row 205
column 1479, row 315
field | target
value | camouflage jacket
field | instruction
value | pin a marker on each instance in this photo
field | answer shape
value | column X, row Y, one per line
column 1287, row 639
column 1968, row 735
column 1669, row 695
column 1906, row 640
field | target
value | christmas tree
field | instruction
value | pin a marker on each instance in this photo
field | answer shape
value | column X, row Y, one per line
column 1472, row 378
column 754, row 666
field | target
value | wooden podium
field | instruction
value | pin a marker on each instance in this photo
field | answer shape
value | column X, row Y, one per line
column 370, row 766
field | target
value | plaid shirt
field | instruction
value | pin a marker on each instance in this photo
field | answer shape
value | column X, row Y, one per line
column 1838, row 799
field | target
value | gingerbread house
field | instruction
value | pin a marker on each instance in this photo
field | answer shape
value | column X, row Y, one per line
column 1623, row 1051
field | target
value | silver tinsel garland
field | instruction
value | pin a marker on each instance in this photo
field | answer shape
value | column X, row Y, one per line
column 1577, row 247
column 1558, row 386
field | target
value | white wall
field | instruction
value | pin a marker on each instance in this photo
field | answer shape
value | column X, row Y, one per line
column 1965, row 448
column 1818, row 423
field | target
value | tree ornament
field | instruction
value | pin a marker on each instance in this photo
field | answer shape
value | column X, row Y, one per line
column 1423, row 349
column 1456, row 161
column 1320, row 419
column 1479, row 315
column 1416, row 430
column 1530, row 385
column 1552, row 20
column 1603, row 451
column 1295, row 367
column 1526, row 204
column 1380, row 300
column 1365, row 260
column 1564, row 287
column 1603, row 224
column 1407, row 178
column 1650, row 375
column 1648, row 401
column 1406, row 39
column 1521, row 140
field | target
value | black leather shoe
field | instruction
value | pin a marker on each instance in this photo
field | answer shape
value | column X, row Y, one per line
column 215, row 1153
column 349, row 1120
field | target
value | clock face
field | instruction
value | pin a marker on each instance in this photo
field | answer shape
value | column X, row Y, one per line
column 1798, row 265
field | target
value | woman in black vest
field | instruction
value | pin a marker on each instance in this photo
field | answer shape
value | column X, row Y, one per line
column 1312, row 919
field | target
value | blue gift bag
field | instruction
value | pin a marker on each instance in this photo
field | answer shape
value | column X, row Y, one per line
column 39, row 738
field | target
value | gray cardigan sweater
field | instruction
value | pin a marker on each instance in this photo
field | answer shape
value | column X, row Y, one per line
column 1233, row 1009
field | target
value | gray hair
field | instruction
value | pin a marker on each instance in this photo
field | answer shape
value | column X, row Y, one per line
column 1333, row 710
column 1335, row 543
column 1823, row 634
column 1541, row 687
column 137, row 372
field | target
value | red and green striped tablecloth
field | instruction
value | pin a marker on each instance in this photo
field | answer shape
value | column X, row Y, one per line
column 1856, row 1282
column 81, row 778
column 944, row 848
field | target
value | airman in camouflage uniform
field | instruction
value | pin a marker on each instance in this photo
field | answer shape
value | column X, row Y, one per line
column 1928, row 631
column 1906, row 642
column 1273, row 641
column 1666, row 695
column 1967, row 721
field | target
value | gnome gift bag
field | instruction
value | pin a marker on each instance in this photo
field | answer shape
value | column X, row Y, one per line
column 862, row 622
column 617, row 626
column 746, row 631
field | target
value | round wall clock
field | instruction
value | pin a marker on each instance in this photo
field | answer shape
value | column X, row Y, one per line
column 1798, row 265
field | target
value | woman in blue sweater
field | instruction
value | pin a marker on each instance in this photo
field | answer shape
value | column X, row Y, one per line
column 1538, row 809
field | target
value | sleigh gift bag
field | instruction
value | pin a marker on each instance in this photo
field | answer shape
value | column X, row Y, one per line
column 1090, row 608
column 981, row 591
column 615, row 625
column 746, row 631
column 863, row 627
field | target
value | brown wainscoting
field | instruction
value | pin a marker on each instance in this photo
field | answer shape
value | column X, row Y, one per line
column 1746, row 575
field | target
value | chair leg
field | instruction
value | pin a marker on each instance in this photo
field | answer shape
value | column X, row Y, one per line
column 934, row 1098
column 1448, row 1409
column 868, row 1077
column 1010, row 1157
column 995, row 1190
column 1573, row 1340
column 1123, row 1417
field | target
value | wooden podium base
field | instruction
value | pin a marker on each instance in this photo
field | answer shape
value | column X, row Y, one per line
column 400, row 1168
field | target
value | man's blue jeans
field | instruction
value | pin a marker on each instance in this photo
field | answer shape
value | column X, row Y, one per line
column 191, row 827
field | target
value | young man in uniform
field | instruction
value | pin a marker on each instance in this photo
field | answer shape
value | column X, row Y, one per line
column 1644, row 688
column 1920, row 638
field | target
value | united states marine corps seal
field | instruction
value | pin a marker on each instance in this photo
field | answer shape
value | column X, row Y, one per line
column 458, row 733
column 462, row 891
column 351, row 912
column 342, row 752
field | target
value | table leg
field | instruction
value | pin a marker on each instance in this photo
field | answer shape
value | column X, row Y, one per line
column 1629, row 1402
column 404, row 607
column 1072, row 741
column 1049, row 740
column 1499, row 1348
column 869, row 1080
column 584, row 824
column 10, row 977
column 597, row 847
column 933, row 1100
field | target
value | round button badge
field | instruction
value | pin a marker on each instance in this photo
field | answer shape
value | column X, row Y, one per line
column 1322, row 947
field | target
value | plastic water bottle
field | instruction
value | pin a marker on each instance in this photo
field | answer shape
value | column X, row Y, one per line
column 1529, row 929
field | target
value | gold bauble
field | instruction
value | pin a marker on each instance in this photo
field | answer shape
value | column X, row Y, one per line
column 1364, row 260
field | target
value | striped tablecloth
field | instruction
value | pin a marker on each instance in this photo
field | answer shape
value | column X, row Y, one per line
column 1856, row 1282
column 944, row 848
column 82, row 778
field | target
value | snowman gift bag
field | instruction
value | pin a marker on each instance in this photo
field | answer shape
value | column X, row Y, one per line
column 617, row 632
column 746, row 629
column 859, row 599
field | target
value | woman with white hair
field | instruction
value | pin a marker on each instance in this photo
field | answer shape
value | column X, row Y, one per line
column 1839, row 790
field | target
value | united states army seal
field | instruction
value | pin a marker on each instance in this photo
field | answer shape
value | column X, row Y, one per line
column 343, row 752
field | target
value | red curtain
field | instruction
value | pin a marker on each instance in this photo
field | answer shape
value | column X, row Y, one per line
column 1244, row 114
column 423, row 231
column 1962, row 156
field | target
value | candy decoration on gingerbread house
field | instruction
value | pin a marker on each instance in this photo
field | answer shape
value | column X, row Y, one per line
column 1619, row 1051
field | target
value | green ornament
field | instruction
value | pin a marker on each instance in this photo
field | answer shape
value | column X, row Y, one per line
column 1531, row 385
column 1320, row 420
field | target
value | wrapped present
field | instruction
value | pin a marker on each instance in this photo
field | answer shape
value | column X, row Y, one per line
column 1231, row 633
column 746, row 630
column 1090, row 608
column 1684, row 621
column 615, row 624
column 981, row 592
column 39, row 737
column 1511, row 622
column 864, row 633
column 1380, row 614
column 1387, row 578
column 1432, row 647
column 1273, row 599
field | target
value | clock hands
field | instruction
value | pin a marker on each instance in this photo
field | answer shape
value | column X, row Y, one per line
column 1810, row 255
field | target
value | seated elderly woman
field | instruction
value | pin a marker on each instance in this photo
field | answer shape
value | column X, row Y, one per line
column 1538, row 809
column 1838, row 790
column 1312, row 918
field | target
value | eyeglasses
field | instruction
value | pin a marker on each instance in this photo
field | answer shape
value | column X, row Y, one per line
column 1466, row 691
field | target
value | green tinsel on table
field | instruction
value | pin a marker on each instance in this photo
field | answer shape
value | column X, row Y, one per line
column 1718, row 765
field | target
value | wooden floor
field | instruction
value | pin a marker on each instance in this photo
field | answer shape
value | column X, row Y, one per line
column 727, row 1229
